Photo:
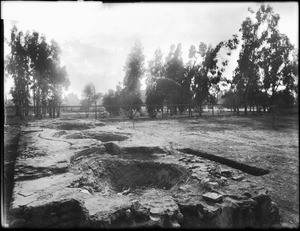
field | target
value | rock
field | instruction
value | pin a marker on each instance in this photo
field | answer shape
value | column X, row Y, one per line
column 85, row 191
column 156, row 211
column 238, row 178
column 225, row 171
column 205, row 181
column 126, row 192
column 263, row 192
column 128, row 213
column 210, row 211
column 223, row 178
column 112, row 148
column 196, row 176
column 175, row 224
column 211, row 196
column 193, row 167
column 213, row 183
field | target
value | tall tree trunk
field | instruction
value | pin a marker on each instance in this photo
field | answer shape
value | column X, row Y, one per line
column 53, row 107
column 50, row 108
column 34, row 99
column 200, row 109
column 18, row 113
column 58, row 109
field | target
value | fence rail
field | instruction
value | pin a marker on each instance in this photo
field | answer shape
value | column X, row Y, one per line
column 99, row 111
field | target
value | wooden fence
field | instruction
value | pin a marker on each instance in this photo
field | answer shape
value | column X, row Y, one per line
column 99, row 111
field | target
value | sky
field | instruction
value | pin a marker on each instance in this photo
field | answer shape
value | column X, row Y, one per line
column 96, row 38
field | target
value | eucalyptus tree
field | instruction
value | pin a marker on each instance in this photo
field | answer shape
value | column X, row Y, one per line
column 134, row 71
column 174, row 77
column 35, row 65
column 17, row 66
column 89, row 96
column 206, row 72
column 154, row 95
column 265, row 58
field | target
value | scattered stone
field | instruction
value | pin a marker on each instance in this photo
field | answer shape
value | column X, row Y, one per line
column 85, row 191
column 205, row 181
column 126, row 192
column 238, row 178
column 223, row 178
column 225, row 172
column 128, row 213
column 193, row 167
column 196, row 176
column 175, row 225
column 262, row 192
column 211, row 196
column 213, row 183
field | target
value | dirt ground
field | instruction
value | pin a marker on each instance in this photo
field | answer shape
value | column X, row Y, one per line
column 250, row 140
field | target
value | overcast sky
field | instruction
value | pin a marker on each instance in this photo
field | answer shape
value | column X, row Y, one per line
column 96, row 38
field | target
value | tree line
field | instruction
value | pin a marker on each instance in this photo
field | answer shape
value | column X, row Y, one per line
column 266, row 75
column 35, row 67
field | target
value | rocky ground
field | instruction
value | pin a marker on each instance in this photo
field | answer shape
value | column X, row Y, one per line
column 209, row 172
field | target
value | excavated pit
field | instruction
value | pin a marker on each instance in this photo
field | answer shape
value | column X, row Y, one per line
column 102, row 136
column 71, row 126
column 135, row 174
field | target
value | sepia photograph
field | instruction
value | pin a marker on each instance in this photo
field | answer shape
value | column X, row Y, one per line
column 150, row 115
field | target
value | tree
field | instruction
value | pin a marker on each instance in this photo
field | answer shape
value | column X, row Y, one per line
column 71, row 99
column 134, row 70
column 207, row 73
column 89, row 96
column 112, row 101
column 265, row 59
column 232, row 100
column 154, row 95
column 35, row 65
column 174, row 73
column 18, row 67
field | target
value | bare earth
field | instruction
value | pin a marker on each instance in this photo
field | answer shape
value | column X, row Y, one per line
column 247, row 140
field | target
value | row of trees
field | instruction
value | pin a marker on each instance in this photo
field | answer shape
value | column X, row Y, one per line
column 267, row 71
column 266, row 74
column 36, row 70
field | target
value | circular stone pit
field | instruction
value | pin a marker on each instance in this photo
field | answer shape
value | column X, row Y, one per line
column 123, row 174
